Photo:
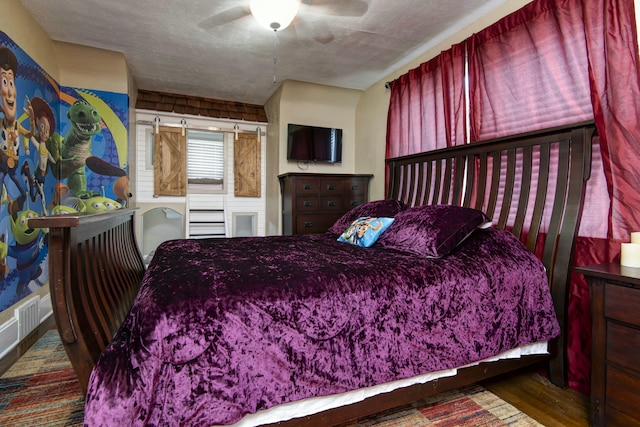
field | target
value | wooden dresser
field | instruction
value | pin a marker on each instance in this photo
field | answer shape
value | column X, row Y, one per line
column 615, row 358
column 311, row 202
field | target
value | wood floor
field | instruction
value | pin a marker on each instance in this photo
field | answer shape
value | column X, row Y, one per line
column 541, row 400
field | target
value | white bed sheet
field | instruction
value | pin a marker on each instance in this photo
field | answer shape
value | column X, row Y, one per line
column 314, row 405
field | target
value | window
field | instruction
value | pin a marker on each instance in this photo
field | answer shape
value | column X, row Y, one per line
column 205, row 160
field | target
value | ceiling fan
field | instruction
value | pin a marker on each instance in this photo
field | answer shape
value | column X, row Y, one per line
column 309, row 20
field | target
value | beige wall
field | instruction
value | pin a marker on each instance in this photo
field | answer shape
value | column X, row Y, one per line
column 318, row 105
column 272, row 200
column 371, row 113
column 87, row 67
column 68, row 64
column 23, row 29
column 307, row 104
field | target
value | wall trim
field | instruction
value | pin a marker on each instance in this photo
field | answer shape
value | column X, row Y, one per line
column 12, row 347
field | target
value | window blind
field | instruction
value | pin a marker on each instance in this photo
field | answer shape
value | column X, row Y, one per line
column 205, row 157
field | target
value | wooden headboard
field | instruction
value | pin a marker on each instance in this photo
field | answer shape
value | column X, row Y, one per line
column 510, row 179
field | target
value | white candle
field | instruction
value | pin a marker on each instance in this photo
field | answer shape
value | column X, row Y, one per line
column 635, row 237
column 630, row 255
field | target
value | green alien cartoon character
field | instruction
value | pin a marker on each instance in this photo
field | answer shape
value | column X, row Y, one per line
column 25, row 250
column 99, row 204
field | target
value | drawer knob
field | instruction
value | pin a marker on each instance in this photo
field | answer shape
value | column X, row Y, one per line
column 354, row 187
column 308, row 224
column 331, row 187
column 331, row 203
column 307, row 186
column 308, row 203
column 354, row 203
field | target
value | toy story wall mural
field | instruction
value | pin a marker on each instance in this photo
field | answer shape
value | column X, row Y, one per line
column 62, row 150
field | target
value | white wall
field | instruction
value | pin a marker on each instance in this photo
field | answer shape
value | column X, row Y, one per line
column 143, row 191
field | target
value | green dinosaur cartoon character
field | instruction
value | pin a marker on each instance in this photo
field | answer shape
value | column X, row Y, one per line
column 72, row 153
column 25, row 251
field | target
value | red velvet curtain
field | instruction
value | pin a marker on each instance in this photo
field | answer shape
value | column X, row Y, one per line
column 612, row 49
column 529, row 71
column 611, row 36
column 553, row 63
column 427, row 106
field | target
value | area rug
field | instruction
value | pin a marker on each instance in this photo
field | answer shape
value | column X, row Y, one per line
column 41, row 389
column 471, row 406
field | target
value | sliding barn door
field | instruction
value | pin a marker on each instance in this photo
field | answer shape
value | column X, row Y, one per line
column 246, row 165
column 170, row 162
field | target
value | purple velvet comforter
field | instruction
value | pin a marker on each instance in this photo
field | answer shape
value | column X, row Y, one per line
column 225, row 327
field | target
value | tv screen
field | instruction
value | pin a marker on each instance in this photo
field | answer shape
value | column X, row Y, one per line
column 314, row 144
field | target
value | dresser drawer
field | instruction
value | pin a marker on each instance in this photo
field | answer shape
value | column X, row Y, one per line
column 307, row 186
column 331, row 204
column 621, row 303
column 319, row 204
column 316, row 223
column 330, row 186
column 623, row 392
column 617, row 418
column 355, row 187
column 308, row 203
column 351, row 202
column 623, row 343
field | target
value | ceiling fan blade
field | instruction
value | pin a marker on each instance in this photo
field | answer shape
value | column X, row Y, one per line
column 353, row 8
column 321, row 33
column 224, row 17
column 316, row 28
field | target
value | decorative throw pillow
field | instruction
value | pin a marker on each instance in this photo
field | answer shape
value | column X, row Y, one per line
column 379, row 208
column 365, row 231
column 432, row 231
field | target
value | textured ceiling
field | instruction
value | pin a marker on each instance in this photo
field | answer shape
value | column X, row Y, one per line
column 216, row 49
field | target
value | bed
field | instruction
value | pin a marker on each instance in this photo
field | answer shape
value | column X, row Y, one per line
column 355, row 317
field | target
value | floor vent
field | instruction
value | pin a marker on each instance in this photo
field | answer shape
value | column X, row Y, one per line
column 28, row 315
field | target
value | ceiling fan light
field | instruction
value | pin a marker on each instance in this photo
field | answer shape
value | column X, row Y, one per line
column 274, row 15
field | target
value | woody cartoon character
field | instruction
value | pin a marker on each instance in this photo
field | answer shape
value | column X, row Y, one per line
column 356, row 232
column 11, row 129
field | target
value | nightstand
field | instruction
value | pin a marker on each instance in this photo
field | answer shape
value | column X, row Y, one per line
column 615, row 357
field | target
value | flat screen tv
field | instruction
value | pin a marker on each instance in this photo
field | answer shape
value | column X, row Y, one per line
column 314, row 144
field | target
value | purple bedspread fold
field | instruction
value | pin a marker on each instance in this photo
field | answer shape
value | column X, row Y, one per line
column 225, row 327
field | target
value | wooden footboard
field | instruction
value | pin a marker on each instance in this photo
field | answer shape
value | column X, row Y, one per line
column 95, row 269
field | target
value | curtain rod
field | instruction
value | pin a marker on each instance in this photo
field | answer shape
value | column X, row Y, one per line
column 212, row 128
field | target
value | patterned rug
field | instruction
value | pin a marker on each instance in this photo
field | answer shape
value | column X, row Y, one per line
column 41, row 389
